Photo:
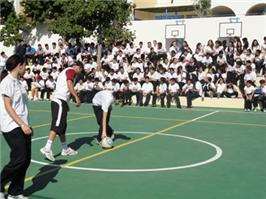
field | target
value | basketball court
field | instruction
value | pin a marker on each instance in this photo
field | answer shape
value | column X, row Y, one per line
column 158, row 153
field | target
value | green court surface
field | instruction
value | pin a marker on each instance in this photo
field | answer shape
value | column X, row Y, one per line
column 158, row 153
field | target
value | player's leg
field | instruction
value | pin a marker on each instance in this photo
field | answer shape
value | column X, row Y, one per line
column 56, row 109
column 98, row 112
column 109, row 130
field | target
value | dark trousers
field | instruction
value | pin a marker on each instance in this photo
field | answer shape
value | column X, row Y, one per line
column 191, row 95
column 126, row 97
column 174, row 96
column 263, row 102
column 46, row 90
column 256, row 101
column 147, row 100
column 99, row 117
column 248, row 104
column 20, row 156
column 82, row 96
column 162, row 99
column 137, row 97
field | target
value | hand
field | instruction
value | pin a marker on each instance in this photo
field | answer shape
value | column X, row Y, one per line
column 26, row 129
column 77, row 102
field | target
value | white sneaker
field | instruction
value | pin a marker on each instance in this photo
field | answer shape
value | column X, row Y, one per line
column 2, row 195
column 112, row 136
column 68, row 152
column 17, row 197
column 48, row 154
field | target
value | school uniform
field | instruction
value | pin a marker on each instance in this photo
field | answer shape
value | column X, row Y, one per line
column 173, row 93
column 135, row 89
column 248, row 97
column 192, row 92
column 102, row 102
column 125, row 91
column 18, row 141
column 147, row 89
column 161, row 92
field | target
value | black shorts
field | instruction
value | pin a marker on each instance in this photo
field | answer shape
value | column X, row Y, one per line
column 59, row 109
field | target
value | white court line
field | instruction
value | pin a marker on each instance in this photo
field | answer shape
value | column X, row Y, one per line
column 198, row 109
column 217, row 155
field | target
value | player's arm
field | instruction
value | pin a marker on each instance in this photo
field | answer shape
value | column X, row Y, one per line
column 71, row 89
column 12, row 113
column 70, row 75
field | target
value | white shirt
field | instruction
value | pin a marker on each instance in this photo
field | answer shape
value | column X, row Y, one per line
column 135, row 87
column 104, row 99
column 88, row 85
column 173, row 88
column 147, row 87
column 249, row 90
column 162, row 88
column 250, row 76
column 139, row 76
column 50, row 84
column 61, row 90
column 108, row 85
column 154, row 76
column 28, row 75
column 12, row 88
column 79, row 87
column 221, row 88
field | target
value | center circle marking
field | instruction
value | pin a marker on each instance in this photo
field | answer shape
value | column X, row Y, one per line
column 217, row 155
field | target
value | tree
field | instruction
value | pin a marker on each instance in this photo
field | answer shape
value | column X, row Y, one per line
column 106, row 20
column 14, row 26
column 6, row 8
column 202, row 7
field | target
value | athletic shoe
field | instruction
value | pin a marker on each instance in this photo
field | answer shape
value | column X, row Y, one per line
column 68, row 152
column 2, row 195
column 17, row 197
column 112, row 136
column 48, row 154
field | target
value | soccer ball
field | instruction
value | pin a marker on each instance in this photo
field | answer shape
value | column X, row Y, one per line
column 107, row 143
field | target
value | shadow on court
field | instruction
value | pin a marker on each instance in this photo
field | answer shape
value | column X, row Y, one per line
column 45, row 176
column 121, row 137
column 79, row 142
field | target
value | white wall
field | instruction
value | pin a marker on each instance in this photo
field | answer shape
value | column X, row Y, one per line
column 199, row 29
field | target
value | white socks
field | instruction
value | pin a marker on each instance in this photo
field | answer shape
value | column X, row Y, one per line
column 48, row 145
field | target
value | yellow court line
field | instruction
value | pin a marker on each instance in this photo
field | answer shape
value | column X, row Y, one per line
column 122, row 145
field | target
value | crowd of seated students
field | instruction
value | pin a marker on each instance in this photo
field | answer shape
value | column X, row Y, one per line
column 150, row 73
